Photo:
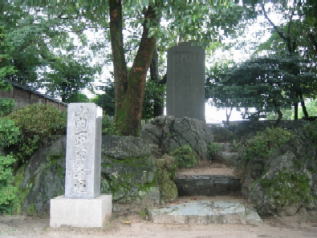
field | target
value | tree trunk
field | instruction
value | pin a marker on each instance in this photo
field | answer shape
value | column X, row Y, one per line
column 302, row 102
column 158, row 104
column 130, row 85
column 228, row 114
column 118, row 59
column 295, row 111
column 279, row 116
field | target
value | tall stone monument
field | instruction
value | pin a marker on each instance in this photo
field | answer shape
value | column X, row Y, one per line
column 185, row 81
column 82, row 205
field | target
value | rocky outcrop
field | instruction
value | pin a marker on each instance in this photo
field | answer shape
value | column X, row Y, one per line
column 128, row 172
column 42, row 179
column 170, row 133
column 128, row 167
column 282, row 185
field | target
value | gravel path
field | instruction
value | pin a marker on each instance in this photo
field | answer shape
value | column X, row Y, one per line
column 134, row 226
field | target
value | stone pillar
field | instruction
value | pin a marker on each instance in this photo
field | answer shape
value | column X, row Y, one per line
column 82, row 205
column 185, row 81
column 83, row 154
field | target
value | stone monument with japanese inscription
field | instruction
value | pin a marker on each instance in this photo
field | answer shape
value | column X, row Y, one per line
column 82, row 205
column 185, row 81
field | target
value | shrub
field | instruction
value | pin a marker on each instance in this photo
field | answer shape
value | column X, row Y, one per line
column 108, row 126
column 40, row 119
column 310, row 131
column 6, row 106
column 265, row 142
column 8, row 132
column 7, row 190
column 8, row 135
column 213, row 150
column 185, row 157
column 37, row 123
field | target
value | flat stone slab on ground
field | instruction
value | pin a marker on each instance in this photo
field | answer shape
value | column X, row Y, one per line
column 206, row 212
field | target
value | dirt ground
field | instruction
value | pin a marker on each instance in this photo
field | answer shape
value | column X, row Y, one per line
column 134, row 226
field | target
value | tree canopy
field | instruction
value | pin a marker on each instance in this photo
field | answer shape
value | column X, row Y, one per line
column 45, row 46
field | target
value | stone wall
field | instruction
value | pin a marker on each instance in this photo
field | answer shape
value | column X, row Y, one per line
column 241, row 129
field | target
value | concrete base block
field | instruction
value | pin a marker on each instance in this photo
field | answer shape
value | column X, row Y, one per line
column 80, row 212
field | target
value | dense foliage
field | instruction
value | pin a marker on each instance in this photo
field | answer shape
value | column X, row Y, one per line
column 264, row 143
column 282, row 71
column 9, row 135
column 38, row 123
column 40, row 52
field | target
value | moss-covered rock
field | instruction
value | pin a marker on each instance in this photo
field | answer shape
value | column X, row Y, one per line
column 278, row 171
column 41, row 179
column 166, row 168
column 128, row 172
column 128, row 167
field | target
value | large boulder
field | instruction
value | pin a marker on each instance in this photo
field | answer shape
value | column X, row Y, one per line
column 42, row 178
column 284, row 188
column 128, row 172
column 128, row 167
column 170, row 133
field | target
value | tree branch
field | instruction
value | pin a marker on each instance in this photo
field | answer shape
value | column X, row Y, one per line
column 281, row 34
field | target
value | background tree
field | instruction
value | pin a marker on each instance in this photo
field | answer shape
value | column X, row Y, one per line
column 36, row 43
column 266, row 84
column 67, row 77
column 293, row 38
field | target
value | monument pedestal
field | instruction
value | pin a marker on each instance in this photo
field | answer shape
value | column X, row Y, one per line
column 79, row 212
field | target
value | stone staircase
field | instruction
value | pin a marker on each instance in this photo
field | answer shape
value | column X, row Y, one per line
column 208, row 193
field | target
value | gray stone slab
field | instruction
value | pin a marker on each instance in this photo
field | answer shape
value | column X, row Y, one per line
column 185, row 82
column 83, row 151
column 203, row 212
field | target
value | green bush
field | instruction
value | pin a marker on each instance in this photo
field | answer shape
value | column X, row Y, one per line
column 9, row 133
column 213, row 150
column 108, row 126
column 39, row 119
column 265, row 142
column 310, row 132
column 6, row 106
column 7, row 190
column 185, row 157
column 37, row 123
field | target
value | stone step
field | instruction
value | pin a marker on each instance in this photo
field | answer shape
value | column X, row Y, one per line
column 224, row 146
column 228, row 158
column 206, row 211
column 208, row 185
column 213, row 180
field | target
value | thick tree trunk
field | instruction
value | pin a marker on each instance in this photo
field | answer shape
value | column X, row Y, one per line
column 119, row 63
column 130, row 85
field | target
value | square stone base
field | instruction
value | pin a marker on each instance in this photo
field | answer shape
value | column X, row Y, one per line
column 73, row 212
